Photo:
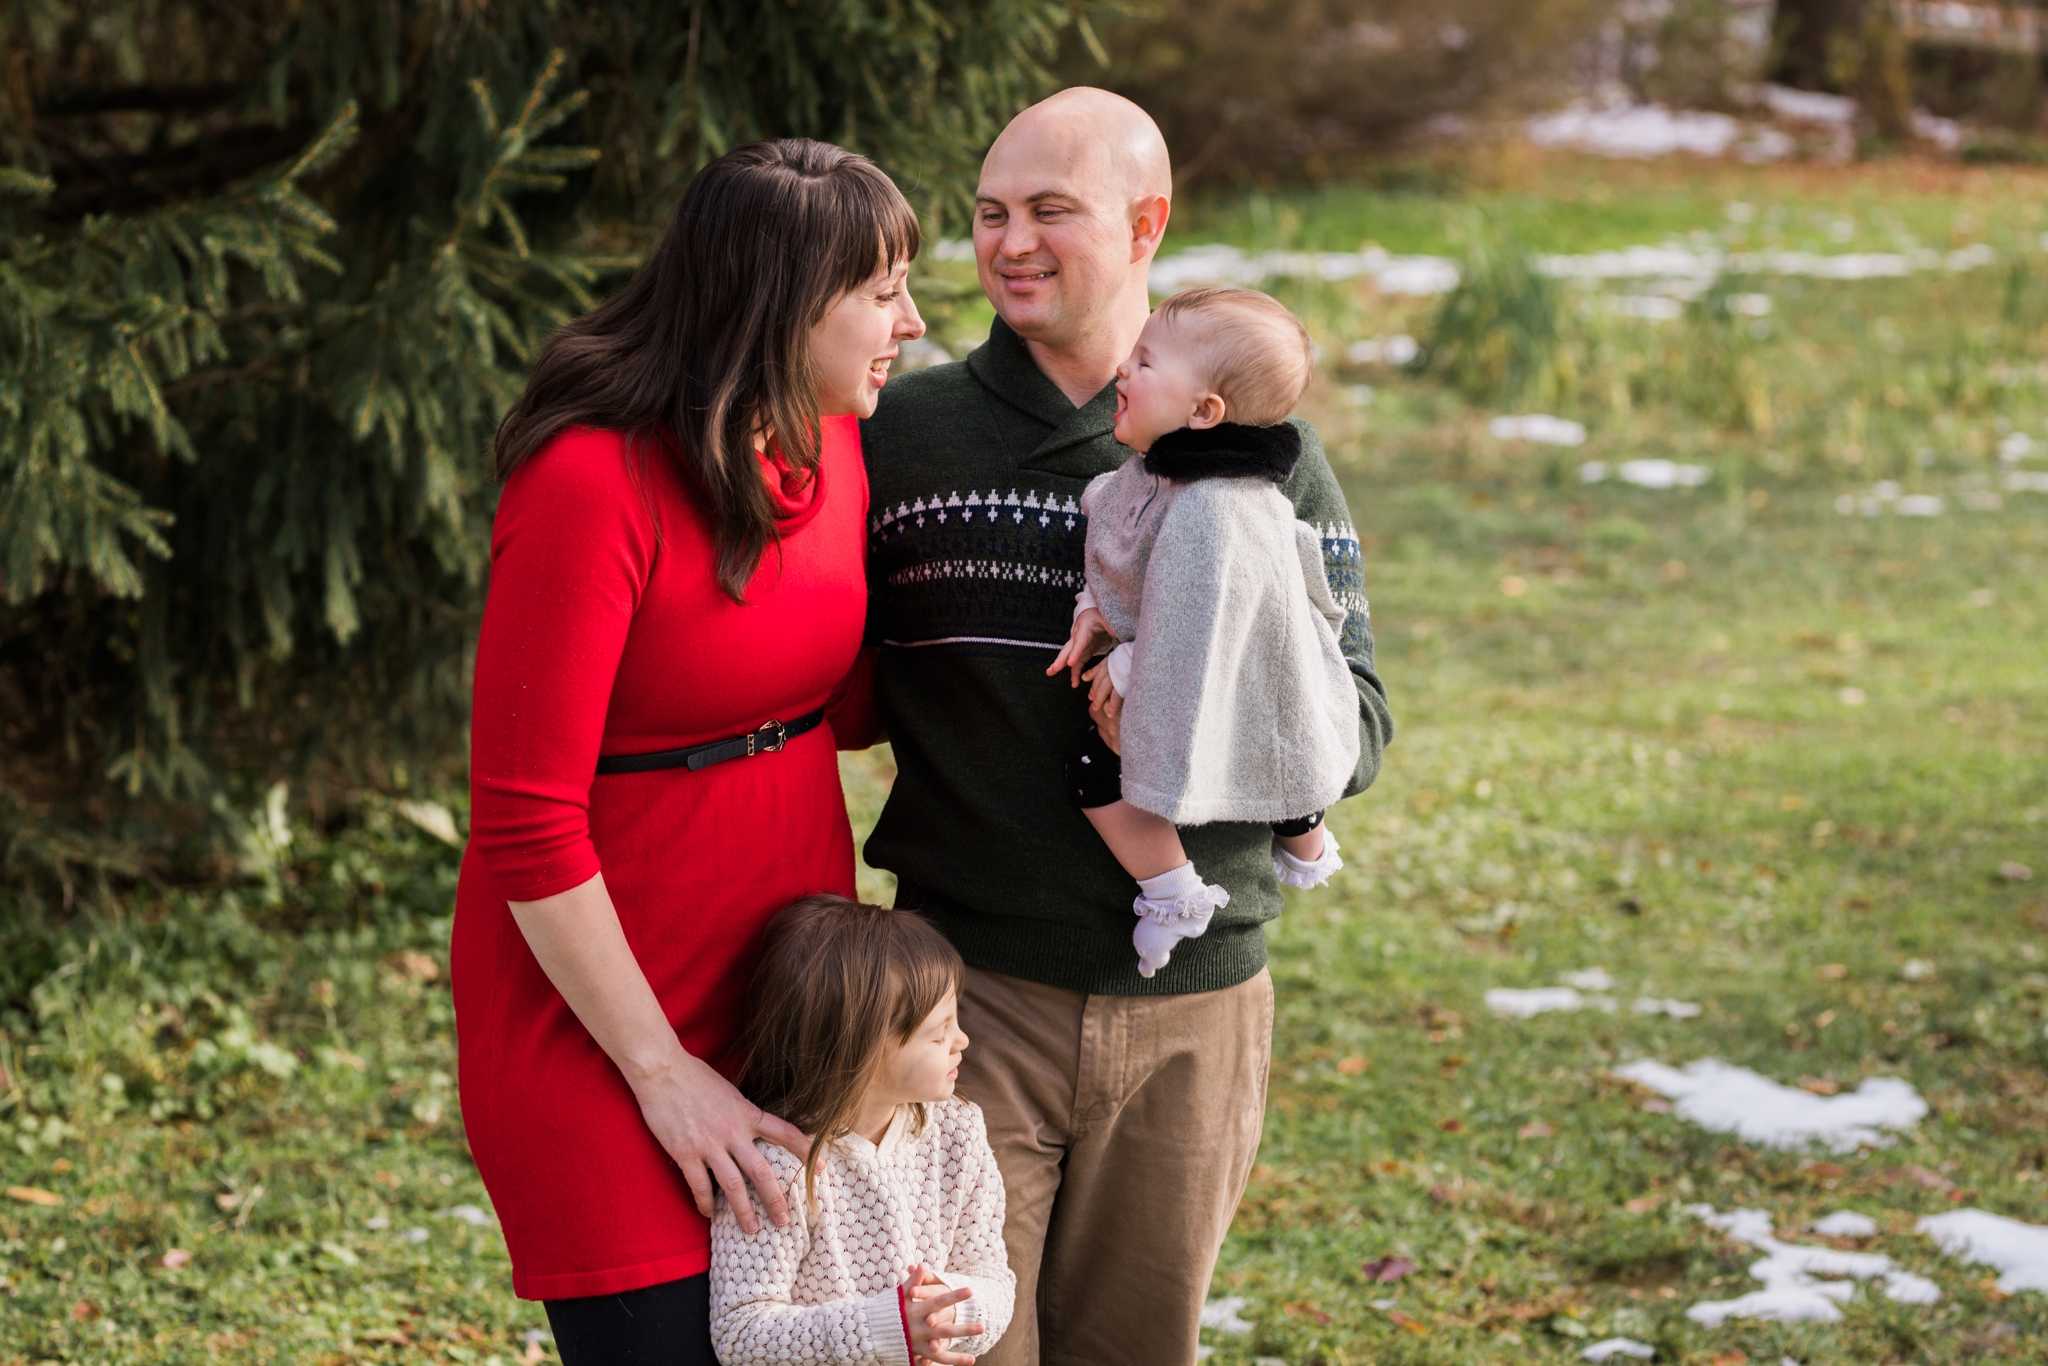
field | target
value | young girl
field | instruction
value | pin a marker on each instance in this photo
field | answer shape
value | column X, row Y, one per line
column 1234, row 699
column 894, row 1253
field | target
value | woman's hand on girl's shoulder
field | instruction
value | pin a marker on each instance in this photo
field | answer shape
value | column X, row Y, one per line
column 709, row 1129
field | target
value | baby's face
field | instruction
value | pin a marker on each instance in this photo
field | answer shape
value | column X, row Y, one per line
column 1160, row 389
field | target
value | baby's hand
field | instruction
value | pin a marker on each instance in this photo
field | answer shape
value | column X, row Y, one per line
column 1089, row 627
column 932, row 1318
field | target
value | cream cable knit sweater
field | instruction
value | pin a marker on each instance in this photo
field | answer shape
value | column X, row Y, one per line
column 823, row 1289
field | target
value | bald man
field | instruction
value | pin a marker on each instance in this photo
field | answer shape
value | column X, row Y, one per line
column 1124, row 1110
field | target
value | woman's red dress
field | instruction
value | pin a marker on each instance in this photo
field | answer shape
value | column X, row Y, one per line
column 606, row 632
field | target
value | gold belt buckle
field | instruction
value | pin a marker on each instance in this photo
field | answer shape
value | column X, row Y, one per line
column 781, row 739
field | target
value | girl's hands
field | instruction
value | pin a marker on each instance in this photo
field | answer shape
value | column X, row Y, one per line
column 709, row 1128
column 931, row 1316
column 1082, row 642
column 1105, row 706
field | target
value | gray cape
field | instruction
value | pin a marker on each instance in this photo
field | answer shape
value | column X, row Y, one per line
column 1241, row 707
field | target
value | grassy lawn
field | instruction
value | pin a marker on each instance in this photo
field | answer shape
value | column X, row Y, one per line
column 1726, row 743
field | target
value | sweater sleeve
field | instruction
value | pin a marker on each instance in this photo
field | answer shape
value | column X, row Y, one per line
column 754, row 1318
column 1319, row 500
column 978, row 1258
column 571, row 550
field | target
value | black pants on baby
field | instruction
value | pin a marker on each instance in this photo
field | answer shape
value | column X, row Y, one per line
column 1095, row 777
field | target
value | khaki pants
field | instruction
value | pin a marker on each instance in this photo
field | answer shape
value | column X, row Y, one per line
column 1125, row 1128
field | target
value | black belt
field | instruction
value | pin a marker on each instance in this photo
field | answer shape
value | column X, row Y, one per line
column 766, row 740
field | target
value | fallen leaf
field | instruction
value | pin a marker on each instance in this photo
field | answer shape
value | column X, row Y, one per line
column 1820, row 1086
column 1731, row 1359
column 1452, row 1126
column 2015, row 872
column 1351, row 1067
column 1303, row 1310
column 1959, row 1195
column 1534, row 1129
column 1657, row 1105
column 1934, row 1181
column 390, row 1337
column 227, row 1200
column 175, row 1258
column 61, row 1165
column 1643, row 1204
column 1413, row 1325
column 1822, row 1021
column 533, row 1355
column 1836, row 971
column 1673, row 571
column 1387, row 1269
column 31, row 1195
column 1825, row 1170
column 415, row 964
column 1514, row 585
column 84, row 1311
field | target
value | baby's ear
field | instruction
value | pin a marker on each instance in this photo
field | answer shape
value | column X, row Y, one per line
column 1210, row 409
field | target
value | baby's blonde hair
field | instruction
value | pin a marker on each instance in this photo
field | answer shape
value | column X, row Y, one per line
column 1255, row 353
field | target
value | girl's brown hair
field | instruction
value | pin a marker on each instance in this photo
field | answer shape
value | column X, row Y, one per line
column 840, row 984
column 709, row 343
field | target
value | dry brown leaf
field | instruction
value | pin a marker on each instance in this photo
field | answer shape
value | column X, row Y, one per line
column 33, row 1195
column 1351, row 1067
column 1534, row 1129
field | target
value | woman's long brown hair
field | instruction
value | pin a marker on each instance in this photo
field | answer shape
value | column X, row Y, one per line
column 839, row 984
column 709, row 343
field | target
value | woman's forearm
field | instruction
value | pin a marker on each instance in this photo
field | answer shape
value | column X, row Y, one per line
column 577, row 939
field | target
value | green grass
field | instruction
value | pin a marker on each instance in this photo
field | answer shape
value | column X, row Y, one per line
column 1623, row 741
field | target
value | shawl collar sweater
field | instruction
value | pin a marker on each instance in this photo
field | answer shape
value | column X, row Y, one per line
column 975, row 552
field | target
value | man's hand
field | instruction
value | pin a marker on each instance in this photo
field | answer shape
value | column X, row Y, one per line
column 931, row 1316
column 1089, row 634
column 1105, row 707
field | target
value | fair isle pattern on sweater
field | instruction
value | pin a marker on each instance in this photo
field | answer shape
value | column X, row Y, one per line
column 994, row 568
column 823, row 1288
column 1344, row 567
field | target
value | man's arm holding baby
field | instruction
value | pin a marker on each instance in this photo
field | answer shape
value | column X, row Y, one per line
column 1319, row 500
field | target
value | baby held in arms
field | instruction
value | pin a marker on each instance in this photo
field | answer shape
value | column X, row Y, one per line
column 1223, row 672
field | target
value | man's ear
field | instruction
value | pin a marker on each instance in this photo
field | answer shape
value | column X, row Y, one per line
column 1209, row 410
column 1148, row 225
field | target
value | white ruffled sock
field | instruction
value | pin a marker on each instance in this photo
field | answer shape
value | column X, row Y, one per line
column 1173, row 906
column 1294, row 872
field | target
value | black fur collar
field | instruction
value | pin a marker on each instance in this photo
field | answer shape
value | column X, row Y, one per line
column 1228, row 450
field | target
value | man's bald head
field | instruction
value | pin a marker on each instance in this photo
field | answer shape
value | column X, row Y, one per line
column 1096, row 135
column 1072, row 205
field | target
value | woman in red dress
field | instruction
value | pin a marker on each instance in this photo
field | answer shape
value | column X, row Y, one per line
column 668, row 652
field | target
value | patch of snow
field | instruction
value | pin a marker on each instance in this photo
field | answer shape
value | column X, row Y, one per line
column 1592, row 472
column 471, row 1215
column 1794, row 1291
column 1219, row 263
column 917, row 354
column 1808, row 106
column 953, row 249
column 1588, row 979
column 1541, row 428
column 1656, row 308
column 2018, row 1251
column 2015, row 446
column 1661, row 474
column 1618, row 1347
column 1946, row 134
column 1735, row 1100
column 1222, row 1315
column 1398, row 349
column 1643, row 130
column 414, row 1235
column 1918, row 505
column 1750, row 305
column 1527, row 1002
column 1677, row 1010
column 1916, row 969
column 2025, row 481
column 1845, row 1223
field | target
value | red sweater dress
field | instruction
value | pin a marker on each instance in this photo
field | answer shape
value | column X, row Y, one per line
column 601, row 636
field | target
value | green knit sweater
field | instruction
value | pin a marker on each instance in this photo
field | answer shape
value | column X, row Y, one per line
column 975, row 537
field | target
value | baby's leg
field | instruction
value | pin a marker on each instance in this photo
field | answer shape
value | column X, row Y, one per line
column 1145, row 844
column 1173, row 902
column 1304, row 853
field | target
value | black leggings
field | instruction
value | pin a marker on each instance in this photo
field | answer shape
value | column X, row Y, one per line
column 663, row 1325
